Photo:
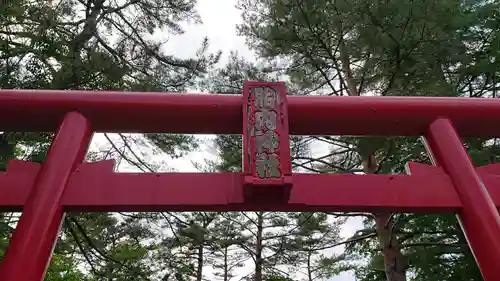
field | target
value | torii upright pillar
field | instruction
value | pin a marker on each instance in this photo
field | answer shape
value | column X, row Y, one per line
column 33, row 241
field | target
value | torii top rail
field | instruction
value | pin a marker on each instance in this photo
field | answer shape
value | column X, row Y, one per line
column 128, row 112
column 265, row 116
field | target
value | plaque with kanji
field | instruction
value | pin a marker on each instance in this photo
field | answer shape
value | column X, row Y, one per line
column 266, row 143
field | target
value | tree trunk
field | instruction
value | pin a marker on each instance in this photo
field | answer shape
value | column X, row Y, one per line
column 395, row 263
column 346, row 69
column 226, row 267
column 199, row 268
column 309, row 269
column 258, row 247
column 394, row 260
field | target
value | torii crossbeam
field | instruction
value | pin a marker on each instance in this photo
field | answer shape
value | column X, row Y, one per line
column 265, row 115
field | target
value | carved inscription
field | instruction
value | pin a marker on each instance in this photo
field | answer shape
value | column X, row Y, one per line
column 263, row 119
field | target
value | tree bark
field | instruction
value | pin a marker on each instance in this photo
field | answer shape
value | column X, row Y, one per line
column 226, row 267
column 394, row 261
column 199, row 268
column 258, row 247
column 309, row 269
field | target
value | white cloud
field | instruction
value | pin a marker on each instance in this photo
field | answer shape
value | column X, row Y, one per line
column 220, row 18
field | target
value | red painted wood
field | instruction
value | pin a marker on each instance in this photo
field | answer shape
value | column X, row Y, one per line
column 31, row 245
column 16, row 183
column 490, row 175
column 266, row 142
column 478, row 217
column 95, row 187
column 456, row 187
column 207, row 113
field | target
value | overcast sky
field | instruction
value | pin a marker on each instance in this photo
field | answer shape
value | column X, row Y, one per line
column 220, row 18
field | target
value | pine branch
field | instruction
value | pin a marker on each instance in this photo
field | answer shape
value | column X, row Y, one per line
column 99, row 251
column 424, row 244
column 370, row 215
column 82, row 250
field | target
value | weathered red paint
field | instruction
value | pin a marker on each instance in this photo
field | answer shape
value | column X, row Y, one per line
column 36, row 233
column 266, row 143
column 453, row 187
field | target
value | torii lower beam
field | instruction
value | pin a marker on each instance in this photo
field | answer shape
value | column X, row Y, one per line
column 95, row 187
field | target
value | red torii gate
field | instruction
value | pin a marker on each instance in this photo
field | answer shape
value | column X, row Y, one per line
column 264, row 115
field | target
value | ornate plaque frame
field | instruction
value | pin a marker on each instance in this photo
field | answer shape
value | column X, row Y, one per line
column 266, row 141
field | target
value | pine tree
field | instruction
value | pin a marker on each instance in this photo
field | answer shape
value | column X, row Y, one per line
column 275, row 242
column 389, row 48
column 96, row 45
